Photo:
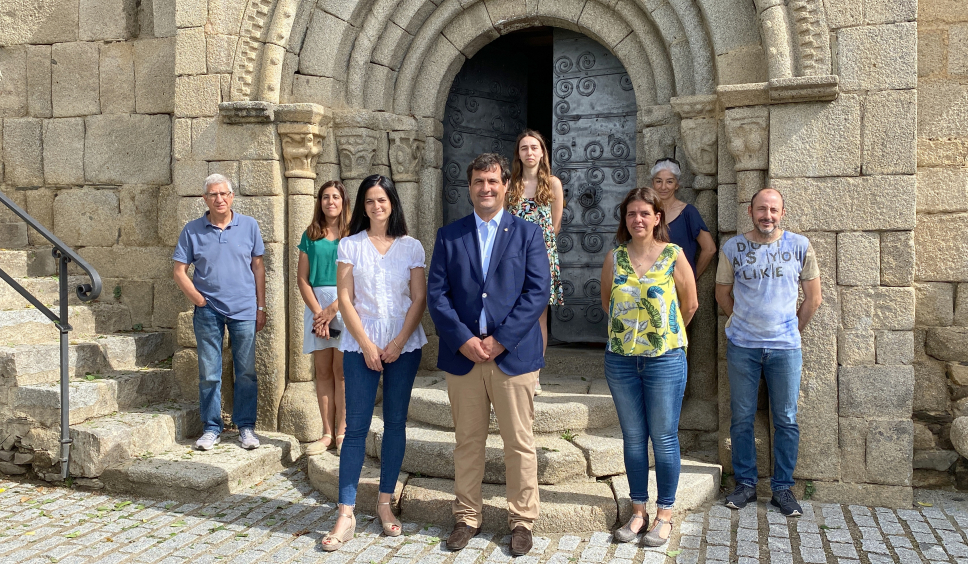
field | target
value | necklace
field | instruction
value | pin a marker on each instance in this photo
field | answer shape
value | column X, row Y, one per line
column 647, row 252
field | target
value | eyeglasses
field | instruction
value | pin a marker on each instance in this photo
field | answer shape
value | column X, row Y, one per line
column 217, row 195
column 667, row 159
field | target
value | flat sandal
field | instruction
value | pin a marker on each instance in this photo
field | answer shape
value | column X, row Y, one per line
column 626, row 534
column 652, row 538
column 332, row 543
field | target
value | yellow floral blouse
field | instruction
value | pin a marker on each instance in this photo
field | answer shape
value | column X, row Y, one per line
column 644, row 316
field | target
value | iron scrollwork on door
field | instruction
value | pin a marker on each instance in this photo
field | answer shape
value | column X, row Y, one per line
column 593, row 154
column 486, row 109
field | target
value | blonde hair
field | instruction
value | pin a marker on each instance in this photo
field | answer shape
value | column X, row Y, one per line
column 542, row 194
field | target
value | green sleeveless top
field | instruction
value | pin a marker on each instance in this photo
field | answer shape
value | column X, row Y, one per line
column 644, row 316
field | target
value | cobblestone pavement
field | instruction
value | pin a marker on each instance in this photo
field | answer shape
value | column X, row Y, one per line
column 281, row 519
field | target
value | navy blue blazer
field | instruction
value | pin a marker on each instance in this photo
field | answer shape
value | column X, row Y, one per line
column 518, row 287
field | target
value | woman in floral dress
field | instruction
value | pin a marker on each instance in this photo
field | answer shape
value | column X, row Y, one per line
column 536, row 196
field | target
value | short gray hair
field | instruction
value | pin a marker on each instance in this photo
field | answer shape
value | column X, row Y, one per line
column 666, row 164
column 216, row 179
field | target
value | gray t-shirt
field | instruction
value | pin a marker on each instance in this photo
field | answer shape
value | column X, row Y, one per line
column 766, row 281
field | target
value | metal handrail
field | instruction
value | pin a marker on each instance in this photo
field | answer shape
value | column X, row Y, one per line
column 85, row 293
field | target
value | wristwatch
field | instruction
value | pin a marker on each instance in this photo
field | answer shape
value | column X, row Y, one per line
column 260, row 308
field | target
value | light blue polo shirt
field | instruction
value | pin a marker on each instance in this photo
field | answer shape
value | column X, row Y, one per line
column 223, row 262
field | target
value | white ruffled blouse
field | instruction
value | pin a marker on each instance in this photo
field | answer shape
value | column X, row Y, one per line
column 381, row 288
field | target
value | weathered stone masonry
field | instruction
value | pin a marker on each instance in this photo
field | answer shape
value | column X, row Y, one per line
column 112, row 114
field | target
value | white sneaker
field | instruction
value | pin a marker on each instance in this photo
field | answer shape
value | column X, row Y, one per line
column 207, row 441
column 247, row 438
column 537, row 388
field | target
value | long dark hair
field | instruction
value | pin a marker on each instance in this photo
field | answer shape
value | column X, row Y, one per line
column 319, row 226
column 647, row 195
column 396, row 224
column 542, row 193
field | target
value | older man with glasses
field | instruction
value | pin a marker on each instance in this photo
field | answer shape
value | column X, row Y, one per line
column 229, row 290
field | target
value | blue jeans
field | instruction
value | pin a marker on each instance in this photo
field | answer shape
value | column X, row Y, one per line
column 209, row 332
column 781, row 370
column 647, row 392
column 361, row 386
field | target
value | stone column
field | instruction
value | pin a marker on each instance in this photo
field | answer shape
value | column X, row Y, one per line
column 698, row 135
column 777, row 38
column 747, row 142
column 302, row 139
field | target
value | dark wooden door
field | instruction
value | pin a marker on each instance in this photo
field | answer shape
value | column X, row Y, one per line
column 593, row 153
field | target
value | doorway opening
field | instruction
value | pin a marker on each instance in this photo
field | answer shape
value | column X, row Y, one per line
column 578, row 95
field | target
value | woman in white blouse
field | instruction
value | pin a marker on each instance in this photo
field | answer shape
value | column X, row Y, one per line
column 382, row 293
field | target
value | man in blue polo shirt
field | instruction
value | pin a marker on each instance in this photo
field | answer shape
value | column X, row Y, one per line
column 228, row 290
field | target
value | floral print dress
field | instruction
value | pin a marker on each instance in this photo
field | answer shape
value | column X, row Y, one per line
column 529, row 209
column 644, row 316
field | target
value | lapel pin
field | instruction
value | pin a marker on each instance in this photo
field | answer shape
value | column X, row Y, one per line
column 505, row 228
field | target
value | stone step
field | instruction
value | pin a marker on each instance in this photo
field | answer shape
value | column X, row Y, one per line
column 45, row 289
column 430, row 452
column 588, row 361
column 111, row 440
column 29, row 326
column 102, row 395
column 23, row 365
column 20, row 263
column 572, row 507
column 576, row 507
column 182, row 474
column 567, row 403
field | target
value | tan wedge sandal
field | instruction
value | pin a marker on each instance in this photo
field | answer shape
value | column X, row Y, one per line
column 392, row 528
column 331, row 542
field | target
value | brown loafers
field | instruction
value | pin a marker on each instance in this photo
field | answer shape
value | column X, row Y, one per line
column 461, row 535
column 521, row 541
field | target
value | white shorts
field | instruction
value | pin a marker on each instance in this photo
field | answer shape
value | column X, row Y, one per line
column 325, row 295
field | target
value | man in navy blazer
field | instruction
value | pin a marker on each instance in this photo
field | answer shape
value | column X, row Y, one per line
column 489, row 282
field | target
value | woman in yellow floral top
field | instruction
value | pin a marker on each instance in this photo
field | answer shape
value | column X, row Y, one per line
column 650, row 296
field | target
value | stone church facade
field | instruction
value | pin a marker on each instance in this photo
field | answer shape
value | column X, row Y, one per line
column 113, row 112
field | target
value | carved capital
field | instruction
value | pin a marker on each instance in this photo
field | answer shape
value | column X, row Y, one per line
column 356, row 146
column 406, row 155
column 695, row 106
column 748, row 137
column 301, row 144
column 699, row 141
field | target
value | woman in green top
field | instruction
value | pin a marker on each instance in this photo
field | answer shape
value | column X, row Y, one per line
column 321, row 321
column 650, row 296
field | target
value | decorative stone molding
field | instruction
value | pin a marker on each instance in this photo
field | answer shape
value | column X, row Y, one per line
column 699, row 141
column 251, row 38
column 301, row 144
column 406, row 155
column 812, row 36
column 246, row 112
column 356, row 146
column 695, row 106
column 805, row 89
column 748, row 137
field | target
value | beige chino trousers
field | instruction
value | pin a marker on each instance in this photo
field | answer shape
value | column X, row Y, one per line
column 471, row 398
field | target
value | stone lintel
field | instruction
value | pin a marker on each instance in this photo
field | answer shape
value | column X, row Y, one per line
column 695, row 106
column 737, row 95
column 246, row 112
column 303, row 113
column 376, row 121
column 780, row 91
column 804, row 89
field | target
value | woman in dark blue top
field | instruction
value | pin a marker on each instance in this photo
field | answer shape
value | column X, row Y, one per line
column 686, row 227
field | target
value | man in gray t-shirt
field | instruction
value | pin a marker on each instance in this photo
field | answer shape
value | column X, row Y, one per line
column 757, row 284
